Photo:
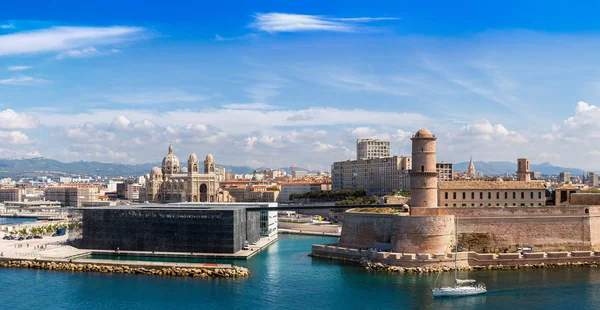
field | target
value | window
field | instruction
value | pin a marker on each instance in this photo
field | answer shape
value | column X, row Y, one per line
column 522, row 195
column 489, row 204
column 464, row 195
column 497, row 204
column 480, row 195
column 532, row 204
column 540, row 195
column 446, row 205
column 497, row 195
column 531, row 195
column 514, row 196
column 472, row 205
column 514, row 204
column 464, row 204
column 505, row 195
column 422, row 168
column 489, row 195
column 472, row 195
column 454, row 205
column 454, row 196
column 446, row 195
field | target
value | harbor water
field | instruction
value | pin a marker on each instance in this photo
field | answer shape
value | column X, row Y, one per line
column 284, row 277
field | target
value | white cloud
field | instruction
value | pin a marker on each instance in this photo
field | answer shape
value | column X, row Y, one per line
column 87, row 133
column 548, row 156
column 14, row 137
column 7, row 26
column 584, row 125
column 245, row 120
column 157, row 97
column 283, row 22
column 21, row 80
column 363, row 132
column 18, row 68
column 322, row 147
column 248, row 106
column 78, row 53
column 9, row 119
column 85, row 53
column 249, row 142
column 121, row 122
column 483, row 131
column 64, row 38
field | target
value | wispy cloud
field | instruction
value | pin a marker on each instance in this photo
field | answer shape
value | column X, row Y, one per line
column 18, row 68
column 21, row 80
column 85, row 53
column 249, row 106
column 157, row 97
column 283, row 22
column 64, row 38
column 7, row 26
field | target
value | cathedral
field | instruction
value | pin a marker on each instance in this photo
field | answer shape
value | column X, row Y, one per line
column 169, row 184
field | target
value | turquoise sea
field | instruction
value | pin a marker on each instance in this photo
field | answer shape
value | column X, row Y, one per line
column 284, row 277
column 16, row 220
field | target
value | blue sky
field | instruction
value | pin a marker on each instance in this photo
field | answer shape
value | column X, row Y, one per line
column 275, row 84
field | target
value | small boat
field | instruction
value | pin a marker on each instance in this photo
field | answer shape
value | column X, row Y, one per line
column 461, row 287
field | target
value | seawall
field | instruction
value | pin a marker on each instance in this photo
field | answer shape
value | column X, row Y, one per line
column 464, row 259
column 132, row 267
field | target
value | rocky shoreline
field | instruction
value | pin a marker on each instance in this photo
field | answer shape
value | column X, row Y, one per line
column 233, row 272
column 397, row 269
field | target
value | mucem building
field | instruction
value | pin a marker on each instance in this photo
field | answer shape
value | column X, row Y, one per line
column 165, row 228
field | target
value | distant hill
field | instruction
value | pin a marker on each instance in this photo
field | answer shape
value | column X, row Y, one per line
column 503, row 167
column 29, row 167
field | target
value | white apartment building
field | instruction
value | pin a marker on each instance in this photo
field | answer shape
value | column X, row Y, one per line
column 377, row 176
column 445, row 171
column 372, row 148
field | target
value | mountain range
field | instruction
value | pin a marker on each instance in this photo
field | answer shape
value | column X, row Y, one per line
column 37, row 166
column 504, row 167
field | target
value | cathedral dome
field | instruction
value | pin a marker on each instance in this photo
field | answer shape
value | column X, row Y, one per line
column 156, row 171
column 193, row 158
column 209, row 157
column 423, row 133
column 170, row 163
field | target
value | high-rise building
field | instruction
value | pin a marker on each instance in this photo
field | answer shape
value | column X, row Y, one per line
column 523, row 173
column 564, row 177
column 376, row 176
column 11, row 194
column 445, row 171
column 71, row 196
column 372, row 148
column 592, row 179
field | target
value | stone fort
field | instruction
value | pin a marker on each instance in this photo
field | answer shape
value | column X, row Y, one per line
column 493, row 217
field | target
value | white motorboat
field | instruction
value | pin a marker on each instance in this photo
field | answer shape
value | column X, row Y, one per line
column 461, row 287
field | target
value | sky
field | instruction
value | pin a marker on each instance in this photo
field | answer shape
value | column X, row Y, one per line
column 277, row 83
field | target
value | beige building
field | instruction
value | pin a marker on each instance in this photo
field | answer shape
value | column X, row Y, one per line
column 372, row 148
column 564, row 177
column 377, row 176
column 71, row 195
column 168, row 184
column 288, row 188
column 11, row 194
column 491, row 194
column 445, row 171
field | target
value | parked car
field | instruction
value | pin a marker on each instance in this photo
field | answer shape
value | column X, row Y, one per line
column 38, row 237
column 54, row 235
column 11, row 237
column 21, row 239
column 6, row 238
column 29, row 237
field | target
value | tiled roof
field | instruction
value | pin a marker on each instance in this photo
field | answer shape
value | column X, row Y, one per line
column 490, row 185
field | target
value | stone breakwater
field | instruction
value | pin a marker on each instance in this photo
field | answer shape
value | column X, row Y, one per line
column 368, row 265
column 233, row 272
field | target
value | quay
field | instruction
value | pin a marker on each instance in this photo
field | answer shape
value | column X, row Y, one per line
column 446, row 260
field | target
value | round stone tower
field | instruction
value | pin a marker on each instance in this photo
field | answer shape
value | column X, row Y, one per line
column 423, row 176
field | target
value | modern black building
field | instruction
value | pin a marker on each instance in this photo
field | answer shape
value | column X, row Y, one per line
column 163, row 228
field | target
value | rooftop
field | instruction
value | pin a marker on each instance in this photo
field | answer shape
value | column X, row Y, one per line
column 490, row 185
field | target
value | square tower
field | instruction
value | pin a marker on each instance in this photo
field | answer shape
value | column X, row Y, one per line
column 523, row 173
